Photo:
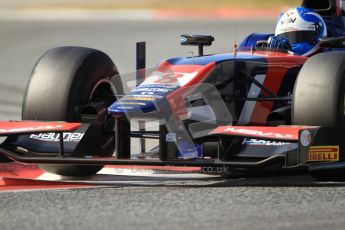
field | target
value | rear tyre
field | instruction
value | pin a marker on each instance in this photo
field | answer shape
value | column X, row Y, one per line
column 319, row 98
column 65, row 80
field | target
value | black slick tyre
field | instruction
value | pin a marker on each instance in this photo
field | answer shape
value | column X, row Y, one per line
column 319, row 94
column 319, row 99
column 63, row 81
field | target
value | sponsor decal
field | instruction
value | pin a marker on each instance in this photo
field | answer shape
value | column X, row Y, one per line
column 152, row 94
column 158, row 86
column 154, row 90
column 305, row 138
column 167, row 80
column 323, row 153
column 55, row 137
column 141, row 98
column 258, row 142
column 288, row 21
column 258, row 133
column 31, row 129
column 147, row 93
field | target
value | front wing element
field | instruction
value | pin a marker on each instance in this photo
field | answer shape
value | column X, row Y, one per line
column 29, row 127
column 283, row 133
column 314, row 145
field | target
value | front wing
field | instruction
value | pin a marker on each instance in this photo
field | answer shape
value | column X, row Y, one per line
column 308, row 146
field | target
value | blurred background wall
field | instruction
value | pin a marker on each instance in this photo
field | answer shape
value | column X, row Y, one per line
column 28, row 28
column 176, row 4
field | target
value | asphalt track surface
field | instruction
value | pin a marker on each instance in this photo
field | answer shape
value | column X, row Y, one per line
column 257, row 203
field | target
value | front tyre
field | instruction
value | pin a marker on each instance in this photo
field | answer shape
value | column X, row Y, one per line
column 63, row 82
column 319, row 94
column 319, row 100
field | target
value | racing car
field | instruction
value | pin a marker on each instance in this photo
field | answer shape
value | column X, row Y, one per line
column 252, row 110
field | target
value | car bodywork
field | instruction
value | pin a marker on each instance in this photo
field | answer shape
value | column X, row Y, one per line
column 213, row 110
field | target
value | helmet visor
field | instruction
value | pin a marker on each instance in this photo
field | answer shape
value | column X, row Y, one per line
column 300, row 36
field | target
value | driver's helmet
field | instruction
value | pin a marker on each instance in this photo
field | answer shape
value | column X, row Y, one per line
column 303, row 28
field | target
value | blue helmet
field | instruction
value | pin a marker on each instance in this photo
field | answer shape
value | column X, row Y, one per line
column 303, row 27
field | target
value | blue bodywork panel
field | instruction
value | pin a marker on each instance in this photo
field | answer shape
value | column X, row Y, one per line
column 216, row 58
column 146, row 98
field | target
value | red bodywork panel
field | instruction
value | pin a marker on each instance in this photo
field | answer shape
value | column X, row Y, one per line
column 176, row 98
column 27, row 127
column 272, row 133
column 279, row 65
